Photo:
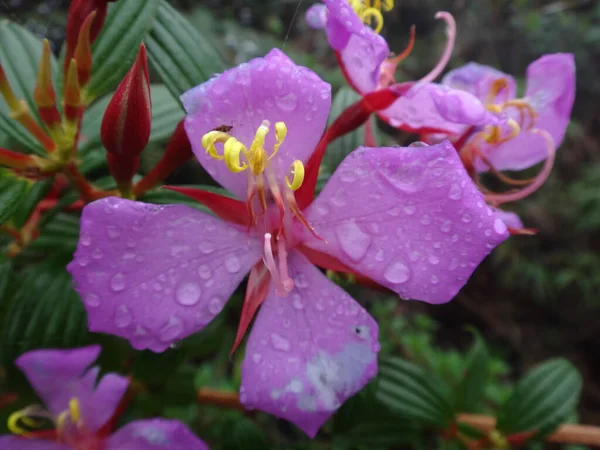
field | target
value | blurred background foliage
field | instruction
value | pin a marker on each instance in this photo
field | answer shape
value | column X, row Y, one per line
column 533, row 299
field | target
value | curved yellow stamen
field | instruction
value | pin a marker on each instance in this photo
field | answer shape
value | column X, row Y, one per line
column 373, row 18
column 74, row 410
column 23, row 416
column 231, row 153
column 297, row 173
column 210, row 139
column 496, row 87
column 280, row 134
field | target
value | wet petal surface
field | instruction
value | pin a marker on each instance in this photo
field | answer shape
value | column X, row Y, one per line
column 309, row 352
column 156, row 274
column 154, row 434
column 408, row 218
column 272, row 88
column 18, row 443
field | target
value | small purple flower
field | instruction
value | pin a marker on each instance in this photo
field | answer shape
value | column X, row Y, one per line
column 364, row 57
column 83, row 407
column 409, row 219
column 545, row 108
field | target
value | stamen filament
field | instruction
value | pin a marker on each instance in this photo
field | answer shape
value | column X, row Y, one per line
column 451, row 31
column 269, row 261
column 288, row 283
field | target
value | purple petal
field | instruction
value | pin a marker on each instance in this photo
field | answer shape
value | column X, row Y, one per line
column 477, row 79
column 56, row 375
column 551, row 91
column 408, row 218
column 272, row 88
column 417, row 112
column 154, row 434
column 103, row 399
column 19, row 443
column 361, row 50
column 462, row 107
column 511, row 219
column 309, row 352
column 316, row 16
column 156, row 274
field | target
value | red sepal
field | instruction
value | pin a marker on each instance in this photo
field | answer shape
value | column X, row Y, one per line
column 226, row 208
column 256, row 293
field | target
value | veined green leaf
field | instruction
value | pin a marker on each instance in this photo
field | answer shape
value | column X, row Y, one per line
column 542, row 399
column 126, row 25
column 182, row 56
column 12, row 191
column 469, row 394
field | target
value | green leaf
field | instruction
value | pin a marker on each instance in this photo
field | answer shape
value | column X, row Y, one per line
column 43, row 312
column 182, row 56
column 20, row 53
column 6, row 265
column 469, row 394
column 343, row 146
column 407, row 390
column 34, row 195
column 126, row 25
column 90, row 125
column 542, row 399
column 12, row 190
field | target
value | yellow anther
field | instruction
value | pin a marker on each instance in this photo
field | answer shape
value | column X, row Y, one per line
column 297, row 173
column 495, row 88
column 210, row 139
column 280, row 134
column 369, row 11
column 74, row 410
column 22, row 417
column 373, row 18
column 232, row 150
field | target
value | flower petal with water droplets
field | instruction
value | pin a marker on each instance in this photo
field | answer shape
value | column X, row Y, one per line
column 309, row 352
column 155, row 434
column 168, row 274
column 417, row 224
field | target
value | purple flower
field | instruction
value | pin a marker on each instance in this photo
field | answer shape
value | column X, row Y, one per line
column 83, row 409
column 364, row 57
column 409, row 219
column 545, row 108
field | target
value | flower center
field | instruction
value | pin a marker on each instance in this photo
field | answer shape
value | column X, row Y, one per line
column 369, row 11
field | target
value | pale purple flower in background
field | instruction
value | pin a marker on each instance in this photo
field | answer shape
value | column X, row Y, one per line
column 82, row 408
column 545, row 107
column 409, row 219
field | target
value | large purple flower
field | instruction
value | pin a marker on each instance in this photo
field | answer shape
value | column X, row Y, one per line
column 364, row 58
column 545, row 108
column 83, row 408
column 407, row 218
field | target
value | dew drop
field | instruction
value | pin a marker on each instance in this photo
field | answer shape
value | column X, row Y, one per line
column 206, row 247
column 204, row 272
column 279, row 342
column 113, row 232
column 257, row 358
column 426, row 220
column 215, row 305
column 287, row 102
column 85, row 239
column 410, row 209
column 397, row 272
column 172, row 329
column 499, row 226
column 188, row 294
column 92, row 300
column 434, row 279
column 353, row 240
column 297, row 302
column 117, row 282
column 232, row 264
column 122, row 317
column 467, row 218
column 455, row 192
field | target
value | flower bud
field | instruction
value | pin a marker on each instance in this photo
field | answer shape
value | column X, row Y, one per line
column 122, row 169
column 44, row 95
column 78, row 13
column 126, row 125
column 83, row 51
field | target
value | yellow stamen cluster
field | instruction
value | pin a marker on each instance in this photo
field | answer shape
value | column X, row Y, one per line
column 73, row 414
column 21, row 422
column 369, row 11
column 238, row 158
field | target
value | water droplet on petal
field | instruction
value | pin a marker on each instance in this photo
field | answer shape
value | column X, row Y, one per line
column 172, row 329
column 297, row 302
column 499, row 226
column 353, row 240
column 279, row 342
column 232, row 264
column 117, row 282
column 215, row 305
column 85, row 239
column 188, row 294
column 206, row 247
column 287, row 102
column 92, row 300
column 410, row 209
column 397, row 272
column 113, row 232
column 122, row 317
column 455, row 192
column 257, row 358
column 434, row 279
column 467, row 218
column 204, row 272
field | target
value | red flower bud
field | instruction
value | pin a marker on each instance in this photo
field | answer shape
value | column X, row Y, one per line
column 78, row 12
column 126, row 125
column 122, row 170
